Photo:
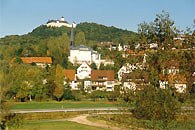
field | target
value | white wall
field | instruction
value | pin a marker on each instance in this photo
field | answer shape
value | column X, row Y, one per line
column 84, row 71
column 80, row 56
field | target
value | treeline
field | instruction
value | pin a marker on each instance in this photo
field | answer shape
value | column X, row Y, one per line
column 92, row 32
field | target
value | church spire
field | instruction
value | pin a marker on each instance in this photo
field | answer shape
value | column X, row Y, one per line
column 72, row 42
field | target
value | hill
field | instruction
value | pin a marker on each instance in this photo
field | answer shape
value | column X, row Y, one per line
column 92, row 32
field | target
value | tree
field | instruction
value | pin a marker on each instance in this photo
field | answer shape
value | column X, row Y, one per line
column 7, row 119
column 160, row 31
column 59, row 81
column 157, row 105
column 102, row 67
column 190, row 36
column 114, row 95
column 93, row 66
column 18, row 60
column 27, row 81
column 80, row 38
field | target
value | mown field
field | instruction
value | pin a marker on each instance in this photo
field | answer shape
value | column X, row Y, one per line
column 56, row 125
column 62, row 105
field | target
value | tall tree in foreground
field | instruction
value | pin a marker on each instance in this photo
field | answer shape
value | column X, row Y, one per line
column 59, row 81
column 7, row 119
column 160, row 31
column 157, row 105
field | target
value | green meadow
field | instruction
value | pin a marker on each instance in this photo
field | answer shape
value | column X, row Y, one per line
column 56, row 125
column 62, row 105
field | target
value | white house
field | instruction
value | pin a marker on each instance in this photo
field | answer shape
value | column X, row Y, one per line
column 128, row 68
column 175, row 80
column 102, row 80
column 84, row 71
column 153, row 45
column 70, row 79
column 82, row 53
column 59, row 23
column 135, row 81
column 172, row 67
column 124, row 69
column 163, row 81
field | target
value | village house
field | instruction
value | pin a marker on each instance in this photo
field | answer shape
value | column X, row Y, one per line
column 109, row 45
column 39, row 61
column 59, row 23
column 163, row 81
column 135, row 81
column 131, row 52
column 102, row 80
column 177, row 81
column 70, row 79
column 84, row 71
column 128, row 68
column 138, row 54
column 153, row 45
column 171, row 67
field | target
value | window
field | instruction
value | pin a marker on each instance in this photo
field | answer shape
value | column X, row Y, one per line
column 103, row 77
column 109, row 82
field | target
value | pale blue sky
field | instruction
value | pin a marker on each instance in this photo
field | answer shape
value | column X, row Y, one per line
column 22, row 16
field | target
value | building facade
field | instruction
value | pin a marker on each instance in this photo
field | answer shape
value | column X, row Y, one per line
column 84, row 71
column 59, row 23
column 102, row 80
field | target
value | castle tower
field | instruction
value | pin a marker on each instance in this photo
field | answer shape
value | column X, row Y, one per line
column 72, row 42
column 62, row 18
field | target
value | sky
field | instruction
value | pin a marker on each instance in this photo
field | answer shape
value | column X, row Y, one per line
column 18, row 17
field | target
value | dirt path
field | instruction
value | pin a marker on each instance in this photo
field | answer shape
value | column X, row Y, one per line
column 82, row 119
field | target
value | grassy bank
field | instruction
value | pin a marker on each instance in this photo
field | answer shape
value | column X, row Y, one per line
column 62, row 105
column 56, row 125
column 50, row 115
column 184, row 121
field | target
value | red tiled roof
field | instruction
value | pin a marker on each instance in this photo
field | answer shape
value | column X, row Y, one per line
column 135, row 76
column 177, row 79
column 102, row 75
column 70, row 74
column 173, row 63
column 161, row 77
column 36, row 60
column 135, row 52
column 87, row 64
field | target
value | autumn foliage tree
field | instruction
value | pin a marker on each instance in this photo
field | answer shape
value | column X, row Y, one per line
column 59, row 82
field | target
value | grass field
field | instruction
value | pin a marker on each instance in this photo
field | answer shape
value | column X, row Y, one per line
column 183, row 122
column 56, row 125
column 62, row 105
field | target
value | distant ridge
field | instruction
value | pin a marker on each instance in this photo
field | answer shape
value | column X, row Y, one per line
column 93, row 32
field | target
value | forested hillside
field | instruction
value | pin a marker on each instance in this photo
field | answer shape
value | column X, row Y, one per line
column 90, row 32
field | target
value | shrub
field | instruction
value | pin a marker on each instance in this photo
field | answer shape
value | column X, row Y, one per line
column 156, row 104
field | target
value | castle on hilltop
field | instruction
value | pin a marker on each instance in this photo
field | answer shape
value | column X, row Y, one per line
column 59, row 23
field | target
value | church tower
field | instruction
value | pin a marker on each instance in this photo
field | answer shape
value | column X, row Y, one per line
column 72, row 42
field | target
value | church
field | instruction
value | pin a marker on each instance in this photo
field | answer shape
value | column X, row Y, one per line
column 82, row 53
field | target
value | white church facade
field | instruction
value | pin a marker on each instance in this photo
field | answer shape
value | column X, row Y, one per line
column 82, row 53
